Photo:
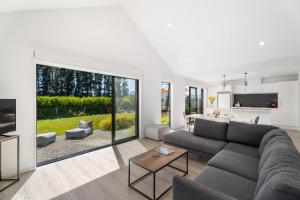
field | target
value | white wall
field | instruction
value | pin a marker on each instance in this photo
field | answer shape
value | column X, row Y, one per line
column 299, row 97
column 98, row 39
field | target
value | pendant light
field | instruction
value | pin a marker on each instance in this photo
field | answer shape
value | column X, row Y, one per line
column 224, row 82
column 245, row 81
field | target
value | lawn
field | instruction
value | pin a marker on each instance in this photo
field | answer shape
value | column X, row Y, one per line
column 62, row 124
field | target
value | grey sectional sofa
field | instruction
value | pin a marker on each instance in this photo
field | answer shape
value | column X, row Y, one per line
column 247, row 161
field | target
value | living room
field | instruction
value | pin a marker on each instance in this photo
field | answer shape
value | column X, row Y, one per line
column 90, row 86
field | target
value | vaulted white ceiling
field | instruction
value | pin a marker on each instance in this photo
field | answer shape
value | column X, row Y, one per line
column 19, row 5
column 203, row 39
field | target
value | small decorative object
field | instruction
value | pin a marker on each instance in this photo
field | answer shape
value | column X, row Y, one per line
column 237, row 104
column 216, row 113
column 156, row 155
column 165, row 151
column 212, row 99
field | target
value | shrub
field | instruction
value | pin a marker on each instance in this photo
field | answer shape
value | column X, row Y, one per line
column 105, row 124
column 123, row 120
column 59, row 106
column 127, row 103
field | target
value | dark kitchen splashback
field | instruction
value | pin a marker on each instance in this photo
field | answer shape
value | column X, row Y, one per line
column 266, row 100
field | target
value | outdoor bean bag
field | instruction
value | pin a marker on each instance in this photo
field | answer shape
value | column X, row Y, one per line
column 83, row 130
column 45, row 139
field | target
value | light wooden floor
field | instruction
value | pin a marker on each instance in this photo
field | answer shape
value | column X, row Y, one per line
column 99, row 175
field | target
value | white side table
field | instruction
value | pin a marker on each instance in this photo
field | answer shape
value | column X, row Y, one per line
column 9, row 161
column 156, row 131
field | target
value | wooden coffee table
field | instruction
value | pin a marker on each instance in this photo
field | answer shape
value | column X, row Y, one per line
column 153, row 162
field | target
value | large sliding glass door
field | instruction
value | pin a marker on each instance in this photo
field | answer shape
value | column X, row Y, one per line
column 80, row 111
column 125, row 109
column 165, row 94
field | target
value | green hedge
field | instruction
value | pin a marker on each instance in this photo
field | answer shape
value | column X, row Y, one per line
column 58, row 106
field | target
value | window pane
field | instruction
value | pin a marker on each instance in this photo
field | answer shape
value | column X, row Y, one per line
column 193, row 100
column 165, row 103
column 125, row 108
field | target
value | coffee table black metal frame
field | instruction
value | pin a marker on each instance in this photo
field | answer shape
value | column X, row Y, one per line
column 131, row 184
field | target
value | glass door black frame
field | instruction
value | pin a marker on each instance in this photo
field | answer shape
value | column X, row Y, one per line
column 114, row 112
column 190, row 99
column 169, row 100
column 199, row 101
column 112, row 131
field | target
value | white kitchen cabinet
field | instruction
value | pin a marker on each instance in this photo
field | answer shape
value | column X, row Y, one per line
column 274, row 117
column 269, row 88
column 256, row 88
column 288, row 104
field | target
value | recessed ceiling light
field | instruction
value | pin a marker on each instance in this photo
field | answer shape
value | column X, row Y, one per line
column 189, row 60
column 261, row 43
column 169, row 25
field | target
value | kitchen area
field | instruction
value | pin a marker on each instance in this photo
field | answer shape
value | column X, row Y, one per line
column 270, row 100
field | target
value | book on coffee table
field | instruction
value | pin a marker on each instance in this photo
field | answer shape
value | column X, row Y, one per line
column 165, row 151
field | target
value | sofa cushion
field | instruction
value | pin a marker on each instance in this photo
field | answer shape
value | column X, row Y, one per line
column 210, row 129
column 279, row 177
column 279, row 142
column 196, row 143
column 268, row 136
column 226, row 182
column 243, row 149
column 250, row 134
column 236, row 163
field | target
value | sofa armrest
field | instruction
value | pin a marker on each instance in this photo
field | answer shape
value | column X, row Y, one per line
column 185, row 189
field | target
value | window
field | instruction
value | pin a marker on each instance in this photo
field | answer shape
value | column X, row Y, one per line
column 193, row 101
column 80, row 111
column 165, row 91
column 126, row 109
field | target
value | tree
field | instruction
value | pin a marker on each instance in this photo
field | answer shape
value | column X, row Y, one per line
column 62, row 82
column 124, row 87
column 107, row 82
column 69, row 82
column 45, row 84
column 55, row 81
column 79, row 84
column 87, row 79
column 39, row 80
column 98, row 85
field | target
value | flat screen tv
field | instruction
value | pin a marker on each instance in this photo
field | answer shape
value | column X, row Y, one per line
column 7, row 115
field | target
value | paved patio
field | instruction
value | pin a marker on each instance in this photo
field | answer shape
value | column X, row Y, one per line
column 63, row 147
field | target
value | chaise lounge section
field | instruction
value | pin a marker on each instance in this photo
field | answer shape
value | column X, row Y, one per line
column 257, row 162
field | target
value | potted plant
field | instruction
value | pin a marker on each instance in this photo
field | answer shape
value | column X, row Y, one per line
column 212, row 99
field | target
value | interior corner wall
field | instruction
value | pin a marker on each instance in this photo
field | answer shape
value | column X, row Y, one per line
column 299, row 102
column 25, row 31
column 177, row 101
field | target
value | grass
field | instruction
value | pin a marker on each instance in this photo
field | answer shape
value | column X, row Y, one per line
column 62, row 124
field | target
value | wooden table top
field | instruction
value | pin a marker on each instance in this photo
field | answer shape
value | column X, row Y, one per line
column 148, row 161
